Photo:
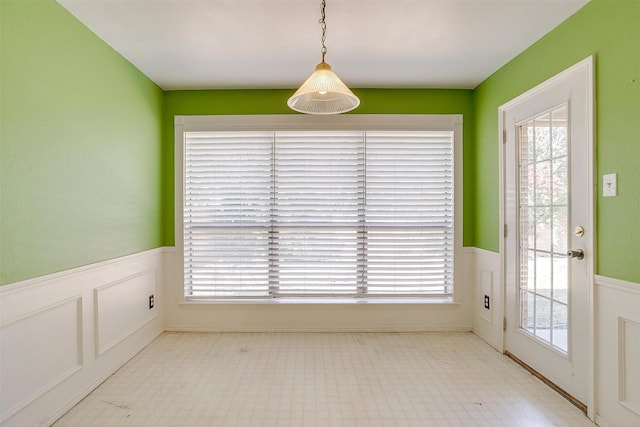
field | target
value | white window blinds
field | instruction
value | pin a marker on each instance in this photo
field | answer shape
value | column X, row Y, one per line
column 318, row 213
column 409, row 212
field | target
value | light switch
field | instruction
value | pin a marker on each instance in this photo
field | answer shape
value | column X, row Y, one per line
column 610, row 185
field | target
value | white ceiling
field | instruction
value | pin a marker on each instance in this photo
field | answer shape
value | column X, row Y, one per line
column 212, row 44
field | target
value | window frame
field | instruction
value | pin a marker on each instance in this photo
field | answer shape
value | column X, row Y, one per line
column 288, row 122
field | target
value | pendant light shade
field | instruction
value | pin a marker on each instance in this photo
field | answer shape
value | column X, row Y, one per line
column 323, row 93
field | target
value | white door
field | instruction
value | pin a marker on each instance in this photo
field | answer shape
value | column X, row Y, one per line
column 548, row 244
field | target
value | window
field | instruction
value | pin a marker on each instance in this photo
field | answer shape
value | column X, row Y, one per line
column 302, row 212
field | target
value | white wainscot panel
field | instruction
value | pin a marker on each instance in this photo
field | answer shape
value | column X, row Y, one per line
column 629, row 364
column 39, row 351
column 486, row 278
column 122, row 307
column 617, row 352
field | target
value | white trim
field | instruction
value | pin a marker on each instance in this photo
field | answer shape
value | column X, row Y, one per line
column 458, row 257
column 502, row 225
column 316, row 300
column 73, row 272
column 40, row 310
column 318, row 330
column 587, row 63
column 617, row 284
column 304, row 122
column 602, row 422
column 178, row 204
column 483, row 252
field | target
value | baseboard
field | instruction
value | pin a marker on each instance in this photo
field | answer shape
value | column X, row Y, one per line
column 315, row 330
column 81, row 394
column 602, row 422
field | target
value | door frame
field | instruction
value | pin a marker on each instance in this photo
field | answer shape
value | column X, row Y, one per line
column 586, row 65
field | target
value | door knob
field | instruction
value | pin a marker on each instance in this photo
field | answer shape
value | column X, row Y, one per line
column 578, row 253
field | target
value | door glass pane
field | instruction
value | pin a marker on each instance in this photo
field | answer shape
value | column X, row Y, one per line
column 543, row 190
column 543, row 318
column 543, row 274
column 526, row 314
column 560, row 229
column 543, row 228
column 560, row 279
column 560, row 328
column 543, row 183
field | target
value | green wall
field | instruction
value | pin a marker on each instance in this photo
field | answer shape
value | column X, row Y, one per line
column 86, row 140
column 373, row 101
column 609, row 29
column 80, row 146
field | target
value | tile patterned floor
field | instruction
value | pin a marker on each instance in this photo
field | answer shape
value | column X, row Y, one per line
column 314, row 379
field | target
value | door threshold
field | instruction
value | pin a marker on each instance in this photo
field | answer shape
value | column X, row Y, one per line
column 549, row 383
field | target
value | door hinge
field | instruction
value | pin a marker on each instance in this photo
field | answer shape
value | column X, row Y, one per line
column 504, row 323
column 504, row 136
column 504, row 231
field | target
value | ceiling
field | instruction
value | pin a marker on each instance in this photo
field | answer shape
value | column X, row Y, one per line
column 220, row 44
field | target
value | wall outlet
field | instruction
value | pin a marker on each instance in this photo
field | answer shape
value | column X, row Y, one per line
column 487, row 305
column 151, row 301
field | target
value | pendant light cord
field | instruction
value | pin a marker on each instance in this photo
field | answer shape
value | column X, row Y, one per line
column 323, row 25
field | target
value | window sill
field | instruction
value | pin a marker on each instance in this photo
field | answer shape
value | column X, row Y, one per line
column 443, row 301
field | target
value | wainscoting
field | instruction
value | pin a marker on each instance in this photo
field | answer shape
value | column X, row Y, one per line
column 617, row 352
column 320, row 316
column 484, row 275
column 63, row 334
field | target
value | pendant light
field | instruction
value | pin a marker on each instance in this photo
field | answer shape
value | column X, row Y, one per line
column 323, row 92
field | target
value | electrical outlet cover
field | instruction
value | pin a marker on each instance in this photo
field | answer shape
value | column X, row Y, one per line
column 610, row 185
